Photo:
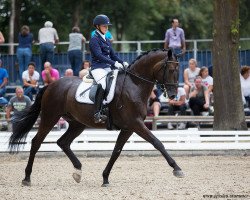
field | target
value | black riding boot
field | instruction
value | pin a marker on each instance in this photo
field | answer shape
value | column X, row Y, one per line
column 99, row 117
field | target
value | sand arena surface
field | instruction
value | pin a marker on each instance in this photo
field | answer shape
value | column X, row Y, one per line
column 132, row 178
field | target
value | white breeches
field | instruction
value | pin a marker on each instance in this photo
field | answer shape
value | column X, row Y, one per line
column 100, row 74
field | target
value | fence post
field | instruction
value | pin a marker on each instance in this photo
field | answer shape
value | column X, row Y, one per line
column 138, row 48
column 195, row 49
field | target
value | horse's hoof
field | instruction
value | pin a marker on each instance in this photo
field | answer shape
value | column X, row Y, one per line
column 105, row 184
column 77, row 175
column 26, row 183
column 178, row 174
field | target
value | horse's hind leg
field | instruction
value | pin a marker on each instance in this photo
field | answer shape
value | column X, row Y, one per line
column 121, row 140
column 74, row 130
column 44, row 128
column 148, row 136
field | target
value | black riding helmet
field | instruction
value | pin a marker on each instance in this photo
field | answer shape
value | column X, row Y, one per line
column 101, row 20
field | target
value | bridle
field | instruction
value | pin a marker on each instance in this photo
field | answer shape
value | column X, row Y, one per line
column 164, row 67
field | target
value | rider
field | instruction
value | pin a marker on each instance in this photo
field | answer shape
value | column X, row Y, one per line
column 103, row 61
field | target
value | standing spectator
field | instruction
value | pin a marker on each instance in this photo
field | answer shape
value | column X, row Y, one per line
column 3, row 79
column 2, row 40
column 108, row 35
column 175, row 38
column 178, row 104
column 189, row 75
column 17, row 103
column 154, row 102
column 30, row 81
column 68, row 72
column 47, row 37
column 24, row 52
column 245, row 84
column 198, row 97
column 49, row 74
column 85, row 68
column 75, row 49
column 206, row 79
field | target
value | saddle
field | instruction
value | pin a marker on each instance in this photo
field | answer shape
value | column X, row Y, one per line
column 86, row 92
column 90, row 79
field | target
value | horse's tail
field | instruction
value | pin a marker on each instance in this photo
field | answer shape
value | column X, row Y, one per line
column 23, row 121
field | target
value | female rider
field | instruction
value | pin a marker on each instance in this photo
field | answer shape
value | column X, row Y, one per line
column 103, row 61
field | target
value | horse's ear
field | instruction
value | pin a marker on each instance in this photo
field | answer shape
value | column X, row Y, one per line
column 170, row 53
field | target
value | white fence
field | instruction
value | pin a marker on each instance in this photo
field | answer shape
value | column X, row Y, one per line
column 100, row 140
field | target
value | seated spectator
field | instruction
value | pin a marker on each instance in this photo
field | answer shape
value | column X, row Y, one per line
column 68, row 72
column 189, row 75
column 154, row 102
column 49, row 74
column 30, row 80
column 198, row 97
column 3, row 79
column 207, row 80
column 85, row 68
column 245, row 85
column 178, row 104
column 17, row 103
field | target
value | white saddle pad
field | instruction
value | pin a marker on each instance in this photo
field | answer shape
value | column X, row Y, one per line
column 84, row 98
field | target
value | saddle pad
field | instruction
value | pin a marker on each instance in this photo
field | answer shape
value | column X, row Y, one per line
column 84, row 98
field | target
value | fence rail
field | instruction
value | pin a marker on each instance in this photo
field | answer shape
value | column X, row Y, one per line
column 100, row 140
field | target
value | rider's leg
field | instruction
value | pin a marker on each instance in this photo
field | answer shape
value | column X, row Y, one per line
column 100, row 77
column 99, row 117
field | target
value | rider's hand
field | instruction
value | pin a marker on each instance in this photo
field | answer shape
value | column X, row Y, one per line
column 118, row 65
column 125, row 64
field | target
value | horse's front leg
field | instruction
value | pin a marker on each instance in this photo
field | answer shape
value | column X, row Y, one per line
column 121, row 140
column 147, row 135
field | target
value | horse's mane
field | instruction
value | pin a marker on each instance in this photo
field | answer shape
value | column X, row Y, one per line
column 146, row 53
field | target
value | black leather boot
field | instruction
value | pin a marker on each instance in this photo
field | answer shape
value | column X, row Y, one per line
column 99, row 117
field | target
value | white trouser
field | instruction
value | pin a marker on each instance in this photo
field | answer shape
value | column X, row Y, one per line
column 100, row 74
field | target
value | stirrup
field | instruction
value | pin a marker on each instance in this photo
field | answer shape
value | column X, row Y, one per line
column 99, row 118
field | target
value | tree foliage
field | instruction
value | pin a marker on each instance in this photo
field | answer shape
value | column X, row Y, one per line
column 132, row 20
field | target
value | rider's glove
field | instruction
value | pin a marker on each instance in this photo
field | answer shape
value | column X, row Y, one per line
column 125, row 64
column 118, row 65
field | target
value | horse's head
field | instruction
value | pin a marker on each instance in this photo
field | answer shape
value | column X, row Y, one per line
column 166, row 73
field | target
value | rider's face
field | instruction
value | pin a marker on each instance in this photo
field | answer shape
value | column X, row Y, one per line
column 104, row 28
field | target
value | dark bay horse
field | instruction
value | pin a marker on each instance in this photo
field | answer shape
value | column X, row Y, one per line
column 128, row 110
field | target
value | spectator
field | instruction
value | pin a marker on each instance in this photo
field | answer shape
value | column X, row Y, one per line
column 245, row 84
column 24, row 52
column 175, row 38
column 178, row 104
column 17, row 103
column 189, row 75
column 2, row 40
column 3, row 79
column 85, row 68
column 47, row 37
column 108, row 35
column 198, row 97
column 154, row 102
column 30, row 81
column 75, row 49
column 68, row 72
column 206, row 79
column 49, row 74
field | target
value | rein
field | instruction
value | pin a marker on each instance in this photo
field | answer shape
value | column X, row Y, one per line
column 153, row 82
